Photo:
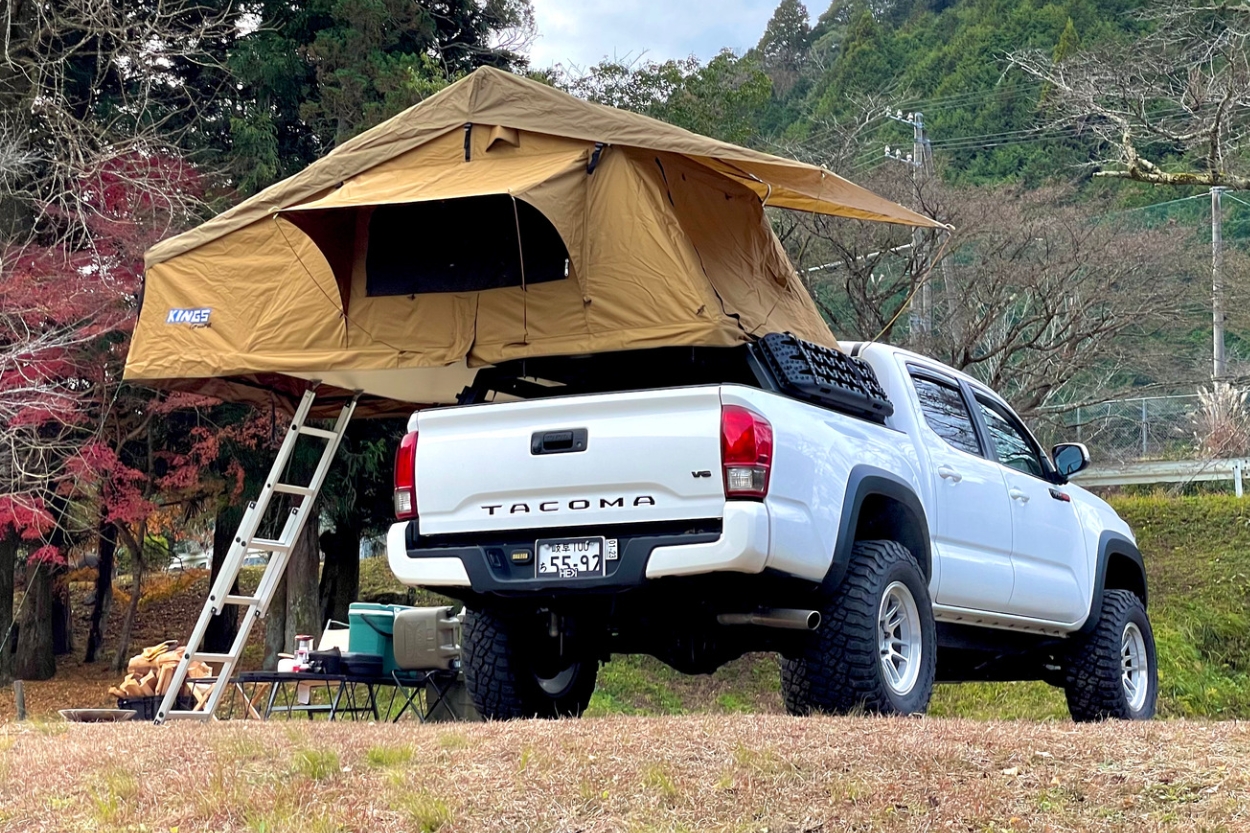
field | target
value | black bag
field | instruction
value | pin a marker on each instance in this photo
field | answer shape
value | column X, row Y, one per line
column 327, row 662
column 360, row 664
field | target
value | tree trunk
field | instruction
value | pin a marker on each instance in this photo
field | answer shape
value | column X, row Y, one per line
column 340, row 575
column 294, row 609
column 107, row 550
column 122, row 657
column 275, row 626
column 303, row 613
column 224, row 627
column 35, row 659
column 134, row 546
column 62, row 612
column 8, row 564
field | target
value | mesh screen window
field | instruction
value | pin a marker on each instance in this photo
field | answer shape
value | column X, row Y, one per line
column 461, row 245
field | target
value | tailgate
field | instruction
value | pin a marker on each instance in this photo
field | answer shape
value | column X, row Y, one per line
column 648, row 456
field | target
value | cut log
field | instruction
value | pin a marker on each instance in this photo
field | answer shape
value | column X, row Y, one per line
column 139, row 664
column 164, row 674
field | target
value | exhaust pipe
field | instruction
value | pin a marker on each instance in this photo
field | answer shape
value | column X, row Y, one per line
column 775, row 617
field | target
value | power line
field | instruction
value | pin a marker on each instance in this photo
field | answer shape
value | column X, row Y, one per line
column 1231, row 197
column 1153, row 205
column 932, row 102
column 1025, row 133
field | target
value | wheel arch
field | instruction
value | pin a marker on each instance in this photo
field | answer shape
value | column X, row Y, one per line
column 1120, row 567
column 880, row 506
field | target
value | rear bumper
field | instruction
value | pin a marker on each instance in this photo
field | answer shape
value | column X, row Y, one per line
column 740, row 545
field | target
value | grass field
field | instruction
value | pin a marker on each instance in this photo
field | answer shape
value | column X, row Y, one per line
column 1197, row 553
column 696, row 773
column 720, row 759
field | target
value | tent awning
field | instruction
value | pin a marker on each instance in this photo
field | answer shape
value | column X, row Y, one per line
column 513, row 175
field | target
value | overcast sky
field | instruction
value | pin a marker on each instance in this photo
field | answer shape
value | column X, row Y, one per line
column 583, row 32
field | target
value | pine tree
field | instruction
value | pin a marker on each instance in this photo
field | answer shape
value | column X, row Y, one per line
column 1069, row 43
column 784, row 45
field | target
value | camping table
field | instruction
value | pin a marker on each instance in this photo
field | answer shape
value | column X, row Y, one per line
column 283, row 693
column 278, row 692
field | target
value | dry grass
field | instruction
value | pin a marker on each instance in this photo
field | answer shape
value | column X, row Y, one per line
column 730, row 773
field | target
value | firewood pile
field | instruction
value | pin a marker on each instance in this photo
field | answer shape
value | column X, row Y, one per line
column 151, row 672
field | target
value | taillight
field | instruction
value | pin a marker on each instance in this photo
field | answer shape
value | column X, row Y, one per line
column 406, row 478
column 746, row 451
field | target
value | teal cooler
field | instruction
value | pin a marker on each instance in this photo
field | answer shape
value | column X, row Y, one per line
column 372, row 631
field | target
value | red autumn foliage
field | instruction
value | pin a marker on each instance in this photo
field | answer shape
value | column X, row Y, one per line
column 68, row 304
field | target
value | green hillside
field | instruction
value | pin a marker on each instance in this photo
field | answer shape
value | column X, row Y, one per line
column 805, row 85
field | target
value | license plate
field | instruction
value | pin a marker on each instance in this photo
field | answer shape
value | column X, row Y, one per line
column 569, row 558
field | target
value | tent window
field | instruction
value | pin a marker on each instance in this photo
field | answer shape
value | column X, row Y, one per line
column 461, row 245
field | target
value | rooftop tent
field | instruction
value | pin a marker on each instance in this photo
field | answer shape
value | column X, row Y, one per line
column 498, row 219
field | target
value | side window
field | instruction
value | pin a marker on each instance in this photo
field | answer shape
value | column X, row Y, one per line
column 1010, row 443
column 947, row 414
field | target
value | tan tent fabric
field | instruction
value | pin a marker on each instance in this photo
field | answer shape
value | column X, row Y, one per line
column 665, row 233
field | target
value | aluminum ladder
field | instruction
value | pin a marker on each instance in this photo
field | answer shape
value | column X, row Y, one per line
column 247, row 540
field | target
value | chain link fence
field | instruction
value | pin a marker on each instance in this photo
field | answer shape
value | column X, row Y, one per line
column 1126, row 430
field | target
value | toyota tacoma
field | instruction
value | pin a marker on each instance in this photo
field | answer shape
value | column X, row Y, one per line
column 881, row 521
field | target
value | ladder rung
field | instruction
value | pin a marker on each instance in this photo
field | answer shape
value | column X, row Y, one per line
column 292, row 489
column 265, row 545
column 176, row 714
column 207, row 657
column 241, row 600
column 317, row 432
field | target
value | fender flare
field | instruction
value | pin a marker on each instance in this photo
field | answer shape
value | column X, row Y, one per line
column 1112, row 543
column 866, row 481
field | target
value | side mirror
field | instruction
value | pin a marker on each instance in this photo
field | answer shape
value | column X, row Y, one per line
column 1070, row 458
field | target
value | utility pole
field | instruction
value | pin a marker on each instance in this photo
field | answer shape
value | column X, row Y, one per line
column 920, row 159
column 1219, row 368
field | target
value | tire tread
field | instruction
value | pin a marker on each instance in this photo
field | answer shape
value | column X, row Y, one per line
column 1092, row 672
column 839, row 669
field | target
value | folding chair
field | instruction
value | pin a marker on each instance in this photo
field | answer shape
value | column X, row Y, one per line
column 427, row 659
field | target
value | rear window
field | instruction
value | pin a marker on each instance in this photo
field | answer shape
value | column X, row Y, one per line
column 946, row 412
column 461, row 245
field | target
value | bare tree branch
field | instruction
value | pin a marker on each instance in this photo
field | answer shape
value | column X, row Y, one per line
column 1183, row 90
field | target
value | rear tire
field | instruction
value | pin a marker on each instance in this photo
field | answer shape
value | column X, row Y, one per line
column 510, row 674
column 876, row 648
column 1111, row 672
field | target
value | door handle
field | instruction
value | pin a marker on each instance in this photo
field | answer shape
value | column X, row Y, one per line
column 948, row 473
column 1017, row 494
column 558, row 442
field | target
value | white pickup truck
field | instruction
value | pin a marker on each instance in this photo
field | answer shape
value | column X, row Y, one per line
column 880, row 520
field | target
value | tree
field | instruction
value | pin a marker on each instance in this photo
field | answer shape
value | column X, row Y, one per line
column 8, row 565
column 1172, row 104
column 783, row 48
column 313, row 73
column 723, row 98
column 357, row 502
column 1033, row 295
column 865, row 61
column 106, row 551
column 99, row 102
